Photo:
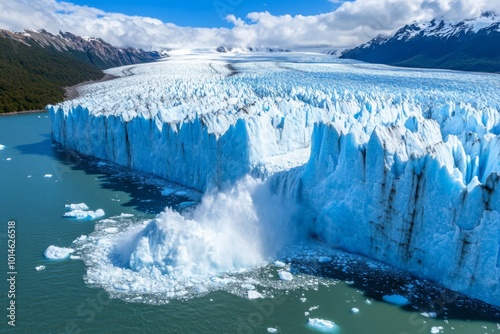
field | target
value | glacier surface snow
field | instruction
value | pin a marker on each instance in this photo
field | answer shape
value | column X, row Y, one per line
column 400, row 165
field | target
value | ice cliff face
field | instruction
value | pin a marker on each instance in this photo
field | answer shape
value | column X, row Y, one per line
column 403, row 165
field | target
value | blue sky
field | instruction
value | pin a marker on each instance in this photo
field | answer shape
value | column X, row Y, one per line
column 209, row 13
column 147, row 24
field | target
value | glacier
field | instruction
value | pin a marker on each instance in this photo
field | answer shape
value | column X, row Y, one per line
column 400, row 165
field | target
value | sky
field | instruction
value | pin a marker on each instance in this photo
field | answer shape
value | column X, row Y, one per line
column 175, row 24
column 209, row 13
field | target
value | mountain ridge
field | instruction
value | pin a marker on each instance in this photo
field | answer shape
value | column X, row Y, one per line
column 35, row 66
column 471, row 45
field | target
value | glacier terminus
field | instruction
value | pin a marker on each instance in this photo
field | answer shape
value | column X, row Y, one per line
column 400, row 165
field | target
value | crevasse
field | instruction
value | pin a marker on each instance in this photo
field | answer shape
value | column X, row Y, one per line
column 399, row 165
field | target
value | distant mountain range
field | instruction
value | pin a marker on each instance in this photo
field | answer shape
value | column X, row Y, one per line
column 224, row 49
column 35, row 66
column 471, row 45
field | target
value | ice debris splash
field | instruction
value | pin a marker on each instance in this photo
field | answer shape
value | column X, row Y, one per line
column 176, row 255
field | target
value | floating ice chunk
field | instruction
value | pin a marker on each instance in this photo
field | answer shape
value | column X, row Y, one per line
column 272, row 330
column 28, row 176
column 355, row 310
column 39, row 268
column 322, row 325
column 47, row 175
column 312, row 308
column 368, row 301
column 436, row 329
column 303, row 299
column 254, row 294
column 81, row 238
column 125, row 215
column 396, row 300
column 279, row 264
column 57, row 253
column 167, row 191
column 87, row 215
column 2, row 147
column 74, row 257
column 248, row 286
column 324, row 259
column 429, row 314
column 285, row 275
column 79, row 206
column 101, row 164
column 8, row 159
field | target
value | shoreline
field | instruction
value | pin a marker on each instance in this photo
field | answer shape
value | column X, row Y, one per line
column 21, row 112
column 72, row 91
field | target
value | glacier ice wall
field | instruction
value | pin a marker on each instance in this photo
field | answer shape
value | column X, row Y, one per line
column 403, row 165
column 402, row 198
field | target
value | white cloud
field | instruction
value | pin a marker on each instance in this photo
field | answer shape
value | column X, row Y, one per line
column 350, row 24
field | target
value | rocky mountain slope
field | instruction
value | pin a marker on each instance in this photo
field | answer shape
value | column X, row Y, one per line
column 472, row 45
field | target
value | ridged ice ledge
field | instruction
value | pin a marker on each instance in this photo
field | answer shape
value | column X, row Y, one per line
column 403, row 165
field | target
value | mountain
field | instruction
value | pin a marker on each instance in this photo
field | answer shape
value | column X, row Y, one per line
column 90, row 50
column 471, row 45
column 35, row 66
column 224, row 49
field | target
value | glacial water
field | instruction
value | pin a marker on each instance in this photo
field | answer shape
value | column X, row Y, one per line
column 37, row 180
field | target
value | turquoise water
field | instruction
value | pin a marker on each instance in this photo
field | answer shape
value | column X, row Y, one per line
column 57, row 299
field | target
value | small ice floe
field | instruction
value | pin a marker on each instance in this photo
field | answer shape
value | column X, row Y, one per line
column 247, row 286
column 101, row 164
column 322, row 325
column 8, row 159
column 28, row 176
column 396, row 300
column 2, row 147
column 324, row 259
column 303, row 299
column 39, row 268
column 272, row 330
column 57, row 253
column 355, row 310
column 429, row 314
column 87, row 215
column 436, row 329
column 47, row 175
column 368, row 301
column 285, row 275
column 254, row 294
column 279, row 264
column 79, row 206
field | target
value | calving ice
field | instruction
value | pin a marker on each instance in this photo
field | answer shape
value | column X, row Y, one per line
column 399, row 165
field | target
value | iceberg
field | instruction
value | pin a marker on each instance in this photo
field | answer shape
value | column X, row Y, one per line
column 400, row 165
column 322, row 325
column 80, row 206
column 57, row 253
column 85, row 215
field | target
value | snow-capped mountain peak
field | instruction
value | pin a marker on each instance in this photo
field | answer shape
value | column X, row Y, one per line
column 439, row 27
column 470, row 44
